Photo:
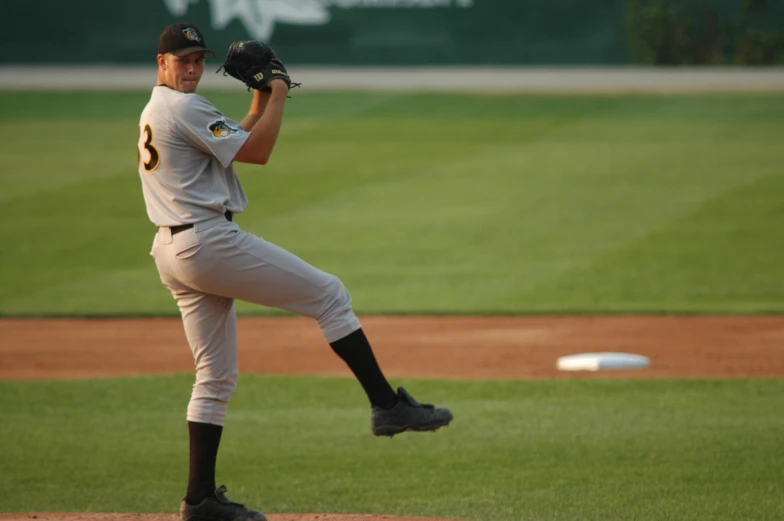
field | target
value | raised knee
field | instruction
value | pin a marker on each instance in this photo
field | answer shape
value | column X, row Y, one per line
column 335, row 301
column 336, row 296
column 337, row 318
column 337, row 290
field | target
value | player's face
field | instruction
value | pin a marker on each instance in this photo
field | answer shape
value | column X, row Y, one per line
column 183, row 73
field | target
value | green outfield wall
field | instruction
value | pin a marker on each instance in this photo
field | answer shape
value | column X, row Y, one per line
column 402, row 32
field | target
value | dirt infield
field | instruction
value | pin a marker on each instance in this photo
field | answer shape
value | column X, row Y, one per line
column 445, row 347
column 456, row 347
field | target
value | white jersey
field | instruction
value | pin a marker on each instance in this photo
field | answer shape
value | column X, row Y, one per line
column 186, row 152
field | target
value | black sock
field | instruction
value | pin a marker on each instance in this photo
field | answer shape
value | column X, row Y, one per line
column 355, row 350
column 204, row 442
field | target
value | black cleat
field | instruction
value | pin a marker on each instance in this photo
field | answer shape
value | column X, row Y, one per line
column 408, row 415
column 218, row 508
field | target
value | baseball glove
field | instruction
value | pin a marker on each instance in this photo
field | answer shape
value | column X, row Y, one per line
column 255, row 64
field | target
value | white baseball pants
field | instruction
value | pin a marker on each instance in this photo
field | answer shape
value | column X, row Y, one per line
column 210, row 265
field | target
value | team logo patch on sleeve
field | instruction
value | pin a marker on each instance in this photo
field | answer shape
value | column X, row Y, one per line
column 222, row 130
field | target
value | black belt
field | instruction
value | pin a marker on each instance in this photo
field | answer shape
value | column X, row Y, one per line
column 177, row 229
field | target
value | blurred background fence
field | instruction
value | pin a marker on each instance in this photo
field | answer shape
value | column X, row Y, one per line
column 408, row 32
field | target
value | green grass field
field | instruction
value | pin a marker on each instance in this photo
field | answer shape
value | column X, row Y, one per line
column 424, row 203
column 517, row 451
column 421, row 203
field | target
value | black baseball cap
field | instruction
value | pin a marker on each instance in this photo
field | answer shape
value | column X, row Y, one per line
column 180, row 39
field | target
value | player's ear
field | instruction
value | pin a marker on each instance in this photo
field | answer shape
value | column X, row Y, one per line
column 162, row 61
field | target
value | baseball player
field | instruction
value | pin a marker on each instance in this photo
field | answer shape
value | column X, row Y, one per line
column 187, row 148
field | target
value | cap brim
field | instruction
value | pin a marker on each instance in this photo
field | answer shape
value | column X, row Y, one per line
column 189, row 50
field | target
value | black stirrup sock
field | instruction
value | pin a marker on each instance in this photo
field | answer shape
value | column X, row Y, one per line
column 204, row 442
column 355, row 350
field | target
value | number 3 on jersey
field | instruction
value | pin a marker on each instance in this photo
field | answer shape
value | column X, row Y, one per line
column 148, row 154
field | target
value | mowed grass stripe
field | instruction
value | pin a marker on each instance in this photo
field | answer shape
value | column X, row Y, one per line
column 421, row 203
column 611, row 450
column 683, row 264
column 516, row 238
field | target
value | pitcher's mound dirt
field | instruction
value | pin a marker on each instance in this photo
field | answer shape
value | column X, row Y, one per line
column 173, row 517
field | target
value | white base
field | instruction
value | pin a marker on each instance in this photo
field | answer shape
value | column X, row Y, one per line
column 602, row 361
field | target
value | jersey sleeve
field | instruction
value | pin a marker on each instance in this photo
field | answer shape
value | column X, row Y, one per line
column 203, row 126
